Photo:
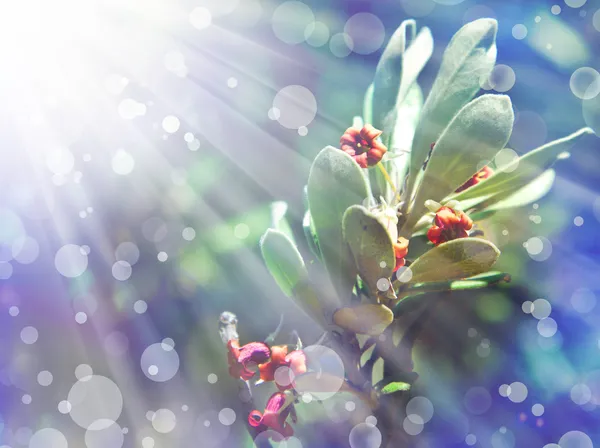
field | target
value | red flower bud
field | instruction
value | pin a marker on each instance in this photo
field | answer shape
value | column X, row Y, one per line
column 295, row 361
column 275, row 415
column 241, row 359
column 480, row 175
column 449, row 225
column 362, row 145
column 400, row 251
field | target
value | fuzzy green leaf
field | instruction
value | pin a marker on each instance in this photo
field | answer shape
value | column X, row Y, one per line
column 310, row 235
column 475, row 135
column 469, row 57
column 335, row 183
column 279, row 220
column 370, row 244
column 457, row 259
column 283, row 260
column 520, row 172
column 401, row 63
column 395, row 387
column 532, row 192
column 406, row 122
column 369, row 318
column 287, row 267
column 388, row 73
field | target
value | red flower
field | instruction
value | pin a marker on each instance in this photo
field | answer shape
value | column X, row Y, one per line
column 241, row 359
column 275, row 415
column 449, row 225
column 295, row 361
column 362, row 145
column 483, row 173
column 400, row 251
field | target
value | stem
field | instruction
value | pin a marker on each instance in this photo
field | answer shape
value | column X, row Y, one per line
column 387, row 177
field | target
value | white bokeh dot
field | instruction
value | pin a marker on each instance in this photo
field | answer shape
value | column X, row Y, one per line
column 83, row 371
column 366, row 31
column 47, row 438
column 541, row 309
column 121, row 270
column 170, row 124
column 164, row 421
column 159, row 363
column 341, row 45
column 96, row 402
column 519, row 31
column 140, row 306
column 44, row 378
column 537, row 410
column 122, row 162
column 127, row 251
column 29, row 335
column 365, row 435
column 200, row 18
column 70, row 261
column 585, row 83
column 547, row 327
column 518, row 392
column 290, row 20
column 583, row 300
column 227, row 416
column 297, row 106
column 575, row 439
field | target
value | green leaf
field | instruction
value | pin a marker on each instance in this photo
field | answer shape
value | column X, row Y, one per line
column 532, row 192
column 456, row 259
column 310, row 235
column 521, row 171
column 368, row 105
column 369, row 318
column 401, row 63
column 279, row 221
column 283, row 260
column 335, row 183
column 475, row 135
column 469, row 57
column 406, row 122
column 285, row 264
column 395, row 387
column 370, row 244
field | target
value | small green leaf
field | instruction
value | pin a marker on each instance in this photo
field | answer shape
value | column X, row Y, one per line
column 369, row 318
column 532, row 192
column 406, row 122
column 335, row 183
column 310, row 235
column 368, row 105
column 456, row 259
column 469, row 57
column 401, row 63
column 370, row 244
column 279, row 221
column 285, row 264
column 388, row 73
column 395, row 387
column 475, row 135
column 283, row 260
column 521, row 171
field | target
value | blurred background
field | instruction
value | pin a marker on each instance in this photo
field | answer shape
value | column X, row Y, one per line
column 141, row 146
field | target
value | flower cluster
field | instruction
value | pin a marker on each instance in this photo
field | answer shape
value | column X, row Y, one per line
column 449, row 224
column 363, row 145
column 363, row 224
column 271, row 363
